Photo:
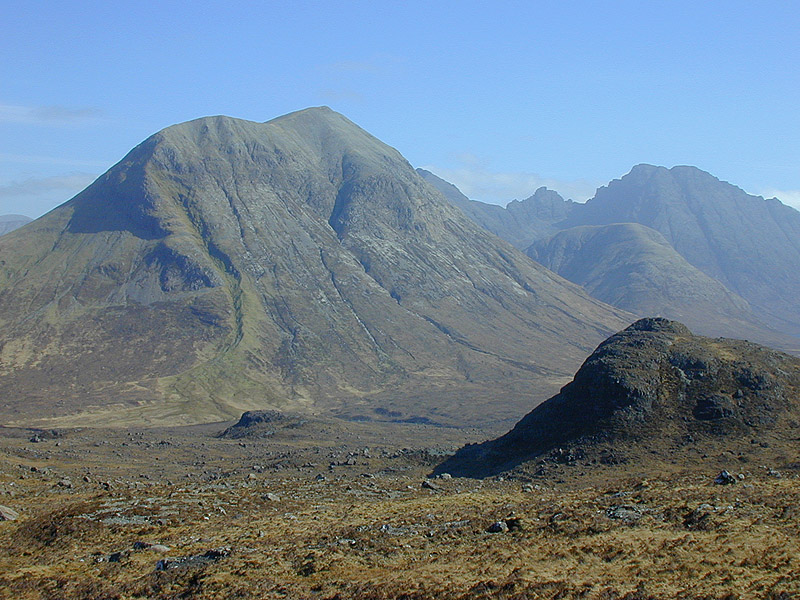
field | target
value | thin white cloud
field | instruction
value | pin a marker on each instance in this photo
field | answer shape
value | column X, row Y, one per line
column 478, row 182
column 379, row 64
column 70, row 184
column 31, row 159
column 789, row 197
column 356, row 66
column 38, row 195
column 47, row 115
column 341, row 95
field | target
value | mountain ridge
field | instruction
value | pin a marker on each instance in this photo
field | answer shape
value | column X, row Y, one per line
column 298, row 264
column 748, row 244
column 9, row 223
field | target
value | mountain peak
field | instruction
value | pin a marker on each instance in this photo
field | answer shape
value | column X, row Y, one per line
column 298, row 264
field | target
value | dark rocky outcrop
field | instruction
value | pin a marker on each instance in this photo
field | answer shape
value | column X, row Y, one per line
column 642, row 389
column 261, row 424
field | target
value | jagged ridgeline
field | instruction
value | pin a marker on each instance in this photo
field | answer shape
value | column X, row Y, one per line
column 298, row 264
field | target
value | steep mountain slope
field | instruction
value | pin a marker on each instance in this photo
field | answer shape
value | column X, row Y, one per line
column 750, row 244
column 9, row 223
column 298, row 264
column 520, row 222
column 633, row 267
column 653, row 389
column 747, row 245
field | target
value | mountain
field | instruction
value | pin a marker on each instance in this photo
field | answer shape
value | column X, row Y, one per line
column 633, row 267
column 520, row 222
column 9, row 223
column 654, row 389
column 299, row 264
column 751, row 245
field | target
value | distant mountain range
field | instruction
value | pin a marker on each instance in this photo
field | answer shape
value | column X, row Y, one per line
column 298, row 264
column 676, row 242
column 9, row 223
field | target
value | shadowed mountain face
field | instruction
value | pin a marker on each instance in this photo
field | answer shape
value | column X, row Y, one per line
column 298, row 264
column 648, row 389
column 9, row 223
column 750, row 244
column 748, row 249
column 633, row 267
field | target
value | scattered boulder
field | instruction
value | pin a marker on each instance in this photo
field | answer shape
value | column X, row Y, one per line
column 195, row 561
column 625, row 512
column 509, row 523
column 498, row 527
column 430, row 485
column 8, row 514
column 725, row 478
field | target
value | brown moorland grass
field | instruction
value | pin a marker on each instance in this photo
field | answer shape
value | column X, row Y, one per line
column 349, row 518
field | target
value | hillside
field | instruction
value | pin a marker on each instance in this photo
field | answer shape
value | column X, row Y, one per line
column 746, row 246
column 633, row 267
column 654, row 389
column 298, row 264
column 520, row 222
column 9, row 223
column 751, row 245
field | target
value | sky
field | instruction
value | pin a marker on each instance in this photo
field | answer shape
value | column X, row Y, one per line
column 497, row 97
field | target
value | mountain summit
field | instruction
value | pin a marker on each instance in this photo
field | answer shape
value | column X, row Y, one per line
column 675, row 242
column 298, row 264
column 749, row 244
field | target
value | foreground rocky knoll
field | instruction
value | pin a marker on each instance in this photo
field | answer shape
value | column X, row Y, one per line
column 298, row 264
column 653, row 390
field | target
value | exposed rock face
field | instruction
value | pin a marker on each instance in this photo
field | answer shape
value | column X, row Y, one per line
column 645, row 387
column 299, row 264
column 9, row 223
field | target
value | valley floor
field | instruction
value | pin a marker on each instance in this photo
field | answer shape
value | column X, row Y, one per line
column 180, row 513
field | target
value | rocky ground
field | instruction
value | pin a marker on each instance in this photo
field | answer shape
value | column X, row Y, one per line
column 345, row 510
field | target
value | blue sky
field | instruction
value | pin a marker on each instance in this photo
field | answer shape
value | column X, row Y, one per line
column 497, row 97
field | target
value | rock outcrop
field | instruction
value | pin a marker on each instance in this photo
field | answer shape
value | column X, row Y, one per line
column 645, row 390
